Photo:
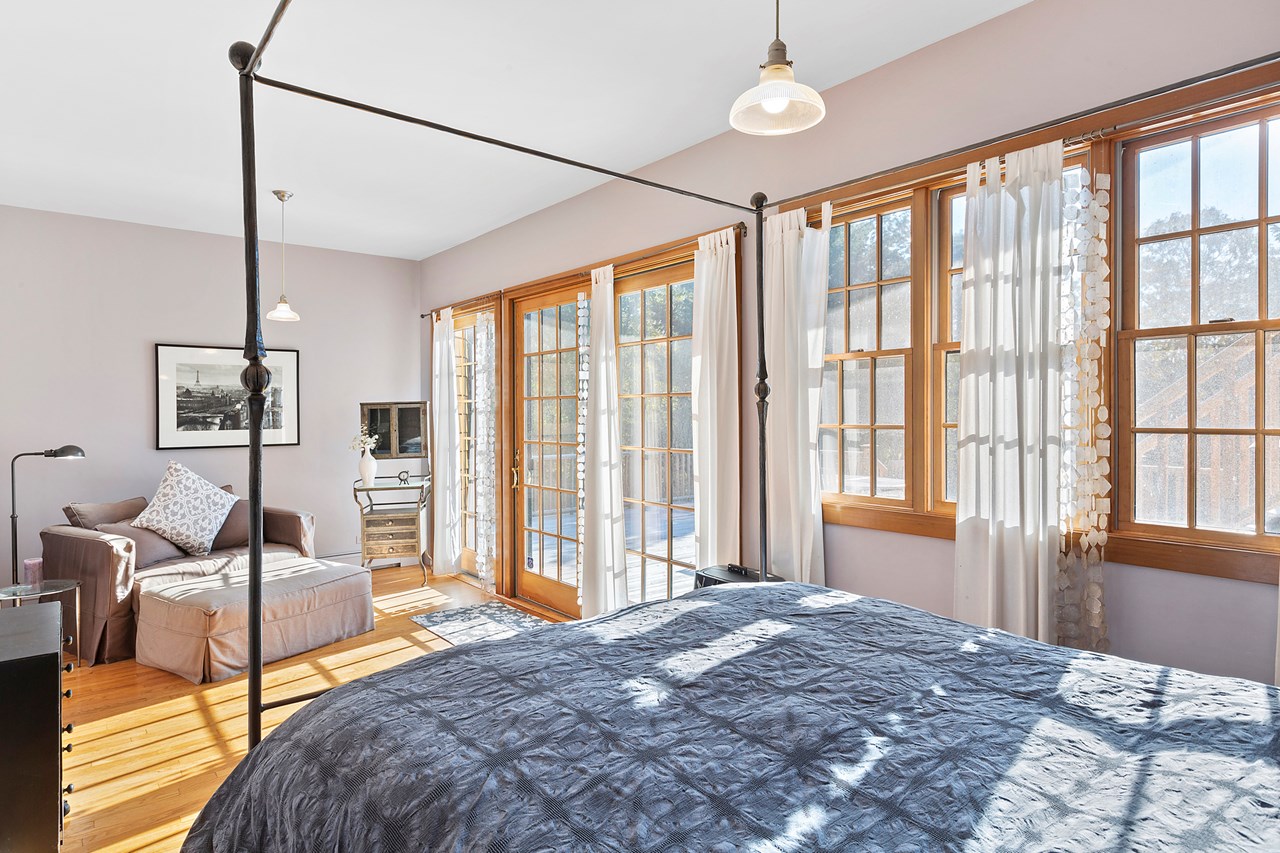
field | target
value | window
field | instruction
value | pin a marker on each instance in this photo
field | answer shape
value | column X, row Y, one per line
column 464, row 338
column 655, row 377
column 1199, row 393
column 863, row 443
column 887, row 441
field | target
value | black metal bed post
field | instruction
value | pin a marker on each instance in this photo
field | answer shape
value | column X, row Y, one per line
column 762, row 385
column 256, row 378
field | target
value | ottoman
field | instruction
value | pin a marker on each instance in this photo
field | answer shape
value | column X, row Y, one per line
column 199, row 628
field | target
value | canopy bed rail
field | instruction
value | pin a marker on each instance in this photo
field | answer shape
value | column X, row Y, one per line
column 246, row 58
column 1259, row 75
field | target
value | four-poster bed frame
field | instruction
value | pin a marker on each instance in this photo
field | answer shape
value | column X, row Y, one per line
column 246, row 58
column 256, row 377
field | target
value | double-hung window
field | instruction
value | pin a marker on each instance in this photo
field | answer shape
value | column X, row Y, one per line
column 1199, row 391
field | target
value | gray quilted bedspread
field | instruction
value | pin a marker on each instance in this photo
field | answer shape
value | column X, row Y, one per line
column 782, row 719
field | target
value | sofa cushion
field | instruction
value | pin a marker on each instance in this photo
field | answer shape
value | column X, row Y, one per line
column 235, row 530
column 227, row 561
column 187, row 510
column 148, row 546
column 90, row 515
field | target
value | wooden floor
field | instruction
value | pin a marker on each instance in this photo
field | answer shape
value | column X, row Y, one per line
column 151, row 747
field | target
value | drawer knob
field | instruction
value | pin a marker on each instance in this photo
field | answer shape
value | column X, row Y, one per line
column 67, row 748
column 68, row 667
column 69, row 728
column 70, row 789
column 66, row 808
column 68, row 640
column 66, row 694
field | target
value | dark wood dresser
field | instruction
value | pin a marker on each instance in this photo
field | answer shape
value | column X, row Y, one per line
column 31, row 667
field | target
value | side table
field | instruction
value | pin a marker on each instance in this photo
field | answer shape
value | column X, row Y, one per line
column 23, row 591
column 715, row 575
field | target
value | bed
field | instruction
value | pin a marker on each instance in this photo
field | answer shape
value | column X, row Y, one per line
column 773, row 717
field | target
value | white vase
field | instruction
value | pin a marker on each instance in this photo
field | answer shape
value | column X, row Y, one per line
column 368, row 467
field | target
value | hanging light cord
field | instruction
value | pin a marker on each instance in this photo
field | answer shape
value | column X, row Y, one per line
column 282, row 201
column 777, row 19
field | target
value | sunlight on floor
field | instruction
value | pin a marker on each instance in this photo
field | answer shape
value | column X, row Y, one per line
column 150, row 747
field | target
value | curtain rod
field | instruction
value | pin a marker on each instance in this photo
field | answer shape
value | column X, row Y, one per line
column 1047, row 125
column 489, row 140
column 740, row 228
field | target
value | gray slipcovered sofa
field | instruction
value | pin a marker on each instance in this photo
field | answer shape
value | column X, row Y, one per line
column 107, row 563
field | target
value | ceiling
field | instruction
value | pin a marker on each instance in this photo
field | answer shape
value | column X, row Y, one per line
column 128, row 109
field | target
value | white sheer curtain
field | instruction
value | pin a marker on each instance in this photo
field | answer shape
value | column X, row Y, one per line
column 486, row 398
column 795, row 282
column 446, row 483
column 716, row 459
column 604, row 559
column 1010, row 426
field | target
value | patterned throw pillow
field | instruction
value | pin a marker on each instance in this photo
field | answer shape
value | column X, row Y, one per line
column 187, row 510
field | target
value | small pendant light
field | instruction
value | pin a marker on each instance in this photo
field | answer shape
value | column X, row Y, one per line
column 282, row 311
column 778, row 105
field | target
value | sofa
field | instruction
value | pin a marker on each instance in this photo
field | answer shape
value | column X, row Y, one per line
column 116, row 563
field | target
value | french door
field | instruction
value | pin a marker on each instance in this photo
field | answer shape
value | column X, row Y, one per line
column 546, row 475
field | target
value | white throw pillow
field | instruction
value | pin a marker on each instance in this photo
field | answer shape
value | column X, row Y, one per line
column 187, row 510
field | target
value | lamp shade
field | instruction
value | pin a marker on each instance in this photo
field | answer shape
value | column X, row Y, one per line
column 283, row 312
column 66, row 451
column 777, row 106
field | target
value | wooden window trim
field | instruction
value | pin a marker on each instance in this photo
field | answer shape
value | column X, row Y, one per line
column 1240, row 556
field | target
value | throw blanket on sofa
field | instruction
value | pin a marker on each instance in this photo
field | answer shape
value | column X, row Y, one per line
column 783, row 718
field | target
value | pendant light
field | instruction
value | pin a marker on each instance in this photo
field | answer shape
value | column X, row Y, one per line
column 778, row 105
column 282, row 312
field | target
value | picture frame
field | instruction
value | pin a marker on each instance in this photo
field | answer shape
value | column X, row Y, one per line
column 200, row 402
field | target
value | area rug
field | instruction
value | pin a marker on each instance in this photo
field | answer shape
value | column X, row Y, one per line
column 477, row 623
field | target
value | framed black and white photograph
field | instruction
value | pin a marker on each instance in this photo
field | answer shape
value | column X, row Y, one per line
column 201, row 403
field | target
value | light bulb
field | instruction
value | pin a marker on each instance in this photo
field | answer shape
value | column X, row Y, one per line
column 773, row 106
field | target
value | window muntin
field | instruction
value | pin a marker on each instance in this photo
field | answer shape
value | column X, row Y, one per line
column 1199, row 401
column 864, row 442
column 655, row 381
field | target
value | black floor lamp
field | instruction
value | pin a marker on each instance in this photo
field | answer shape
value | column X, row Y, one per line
column 66, row 451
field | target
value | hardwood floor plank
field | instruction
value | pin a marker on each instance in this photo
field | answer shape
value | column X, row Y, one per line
column 151, row 747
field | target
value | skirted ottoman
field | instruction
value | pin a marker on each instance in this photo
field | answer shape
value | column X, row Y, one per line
column 199, row 628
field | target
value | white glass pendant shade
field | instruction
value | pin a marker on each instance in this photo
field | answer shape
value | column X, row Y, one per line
column 777, row 106
column 283, row 312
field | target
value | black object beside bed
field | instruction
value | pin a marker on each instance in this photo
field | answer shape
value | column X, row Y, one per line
column 783, row 717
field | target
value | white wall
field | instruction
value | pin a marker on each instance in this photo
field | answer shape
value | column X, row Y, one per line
column 1044, row 60
column 82, row 303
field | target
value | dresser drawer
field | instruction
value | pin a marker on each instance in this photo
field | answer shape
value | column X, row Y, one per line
column 407, row 549
column 391, row 535
column 382, row 522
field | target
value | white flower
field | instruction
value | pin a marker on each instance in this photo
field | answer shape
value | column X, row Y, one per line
column 363, row 440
